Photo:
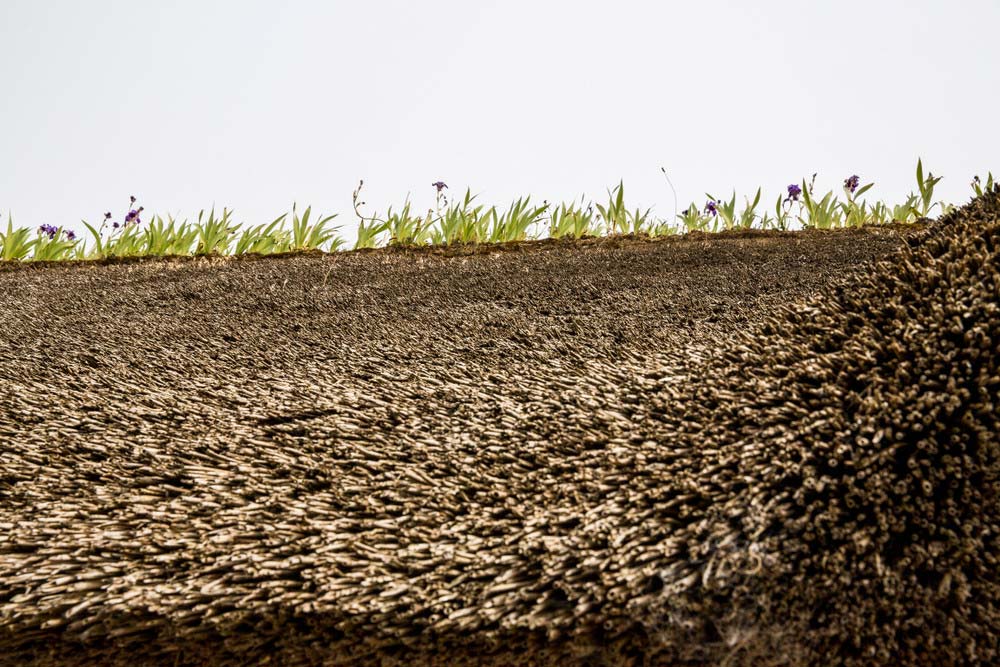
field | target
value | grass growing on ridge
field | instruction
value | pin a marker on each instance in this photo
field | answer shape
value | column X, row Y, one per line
column 466, row 221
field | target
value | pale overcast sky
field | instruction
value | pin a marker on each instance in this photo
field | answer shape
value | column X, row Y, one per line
column 254, row 105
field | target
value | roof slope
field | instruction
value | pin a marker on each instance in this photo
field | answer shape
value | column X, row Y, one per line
column 631, row 453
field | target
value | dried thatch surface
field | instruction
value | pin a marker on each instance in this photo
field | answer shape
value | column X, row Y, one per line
column 627, row 454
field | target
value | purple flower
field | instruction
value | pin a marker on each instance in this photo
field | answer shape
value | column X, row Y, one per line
column 107, row 216
column 794, row 191
column 70, row 236
column 712, row 208
column 48, row 230
column 115, row 225
column 440, row 185
column 852, row 183
column 131, row 200
column 133, row 216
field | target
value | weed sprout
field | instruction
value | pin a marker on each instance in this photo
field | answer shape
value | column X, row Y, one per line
column 977, row 184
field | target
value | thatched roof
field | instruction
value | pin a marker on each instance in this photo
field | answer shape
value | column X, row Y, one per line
column 496, row 484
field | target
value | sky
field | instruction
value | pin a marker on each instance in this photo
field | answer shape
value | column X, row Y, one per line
column 255, row 105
